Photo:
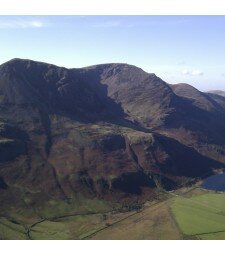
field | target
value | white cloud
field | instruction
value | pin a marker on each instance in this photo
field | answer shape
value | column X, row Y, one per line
column 4, row 24
column 194, row 72
column 37, row 24
column 186, row 72
column 197, row 72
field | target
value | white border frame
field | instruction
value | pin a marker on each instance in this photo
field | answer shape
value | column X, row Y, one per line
column 112, row 7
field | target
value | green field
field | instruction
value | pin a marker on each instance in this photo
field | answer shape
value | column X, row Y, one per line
column 201, row 216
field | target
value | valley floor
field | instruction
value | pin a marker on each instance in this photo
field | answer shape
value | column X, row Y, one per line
column 188, row 213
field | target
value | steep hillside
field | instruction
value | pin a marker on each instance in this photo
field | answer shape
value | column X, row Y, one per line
column 108, row 131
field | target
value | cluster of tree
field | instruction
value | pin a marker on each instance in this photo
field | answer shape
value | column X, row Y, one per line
column 132, row 206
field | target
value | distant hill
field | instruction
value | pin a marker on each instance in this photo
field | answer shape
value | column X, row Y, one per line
column 217, row 92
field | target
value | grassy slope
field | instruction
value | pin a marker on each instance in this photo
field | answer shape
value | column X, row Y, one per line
column 56, row 208
column 74, row 227
column 11, row 231
column 26, row 217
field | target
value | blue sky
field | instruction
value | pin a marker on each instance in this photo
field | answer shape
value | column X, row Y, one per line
column 188, row 49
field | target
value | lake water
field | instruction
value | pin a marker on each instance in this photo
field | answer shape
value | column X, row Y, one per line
column 215, row 182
